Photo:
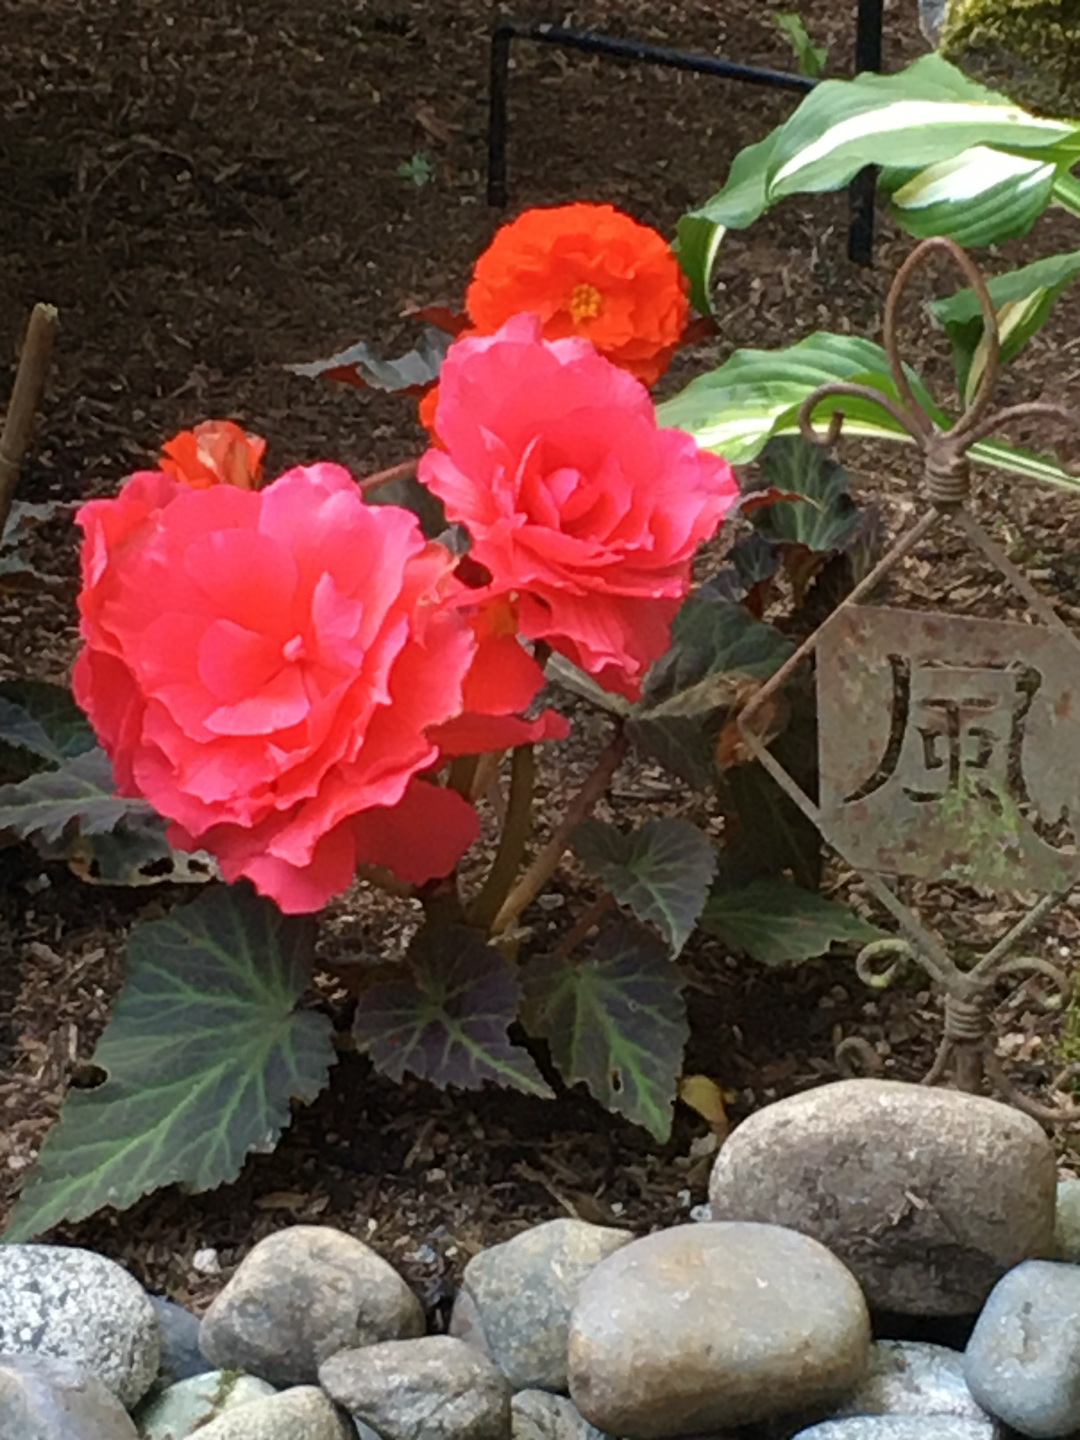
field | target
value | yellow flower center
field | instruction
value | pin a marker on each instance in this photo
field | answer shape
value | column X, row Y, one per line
column 585, row 303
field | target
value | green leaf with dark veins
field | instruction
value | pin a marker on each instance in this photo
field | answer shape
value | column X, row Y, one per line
column 717, row 646
column 616, row 1021
column 44, row 720
column 447, row 1018
column 364, row 368
column 712, row 635
column 204, row 1052
column 79, row 792
column 661, row 872
column 778, row 923
column 826, row 515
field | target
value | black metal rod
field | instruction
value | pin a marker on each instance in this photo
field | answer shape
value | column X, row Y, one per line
column 594, row 44
column 497, row 114
column 862, row 191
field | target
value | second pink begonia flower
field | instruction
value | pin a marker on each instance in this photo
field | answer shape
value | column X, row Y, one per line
column 578, row 504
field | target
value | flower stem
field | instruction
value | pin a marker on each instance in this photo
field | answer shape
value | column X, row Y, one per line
column 462, row 774
column 584, row 923
column 512, row 842
column 404, row 471
column 547, row 861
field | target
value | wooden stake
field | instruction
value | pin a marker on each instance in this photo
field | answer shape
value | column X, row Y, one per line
column 25, row 398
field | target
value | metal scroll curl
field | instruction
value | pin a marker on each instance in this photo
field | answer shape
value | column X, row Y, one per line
column 966, row 729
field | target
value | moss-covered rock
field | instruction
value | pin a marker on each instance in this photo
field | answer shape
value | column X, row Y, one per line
column 1030, row 49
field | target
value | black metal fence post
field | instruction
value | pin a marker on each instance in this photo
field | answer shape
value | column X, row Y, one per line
column 862, row 189
column 867, row 57
column 588, row 41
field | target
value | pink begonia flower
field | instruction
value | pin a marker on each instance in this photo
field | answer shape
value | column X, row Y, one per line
column 578, row 504
column 267, row 669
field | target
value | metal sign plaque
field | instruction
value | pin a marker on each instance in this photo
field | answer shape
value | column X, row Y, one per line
column 948, row 745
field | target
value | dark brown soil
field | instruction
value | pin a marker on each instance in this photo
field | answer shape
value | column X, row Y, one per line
column 210, row 192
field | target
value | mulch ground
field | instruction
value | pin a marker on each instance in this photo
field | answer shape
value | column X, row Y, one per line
column 211, row 193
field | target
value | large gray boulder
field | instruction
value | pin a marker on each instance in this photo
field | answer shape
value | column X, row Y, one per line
column 709, row 1326
column 928, row 1195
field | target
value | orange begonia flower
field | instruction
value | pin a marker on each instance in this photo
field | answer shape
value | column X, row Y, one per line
column 426, row 407
column 586, row 270
column 217, row 452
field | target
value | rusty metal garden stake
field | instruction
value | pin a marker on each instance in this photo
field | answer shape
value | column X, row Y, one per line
column 959, row 765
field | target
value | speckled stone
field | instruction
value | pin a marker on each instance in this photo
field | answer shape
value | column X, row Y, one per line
column 899, row 1427
column 515, row 1298
column 74, row 1305
column 46, row 1399
column 300, row 1296
column 909, row 1377
column 191, row 1403
column 707, row 1326
column 1022, row 1362
column 540, row 1415
column 435, row 1388
column 304, row 1411
column 928, row 1195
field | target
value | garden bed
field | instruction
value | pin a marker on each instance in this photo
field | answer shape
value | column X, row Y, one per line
column 211, row 196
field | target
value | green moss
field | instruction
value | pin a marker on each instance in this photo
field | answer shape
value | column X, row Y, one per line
column 1028, row 48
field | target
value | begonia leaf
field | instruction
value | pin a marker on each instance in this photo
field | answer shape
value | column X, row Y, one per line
column 718, row 651
column 446, row 1019
column 765, row 832
column 19, row 575
column 615, row 1020
column 816, row 510
column 751, row 563
column 363, row 367
column 79, row 792
column 713, row 636
column 44, row 720
column 661, row 872
column 205, row 1051
column 134, row 852
column 778, row 923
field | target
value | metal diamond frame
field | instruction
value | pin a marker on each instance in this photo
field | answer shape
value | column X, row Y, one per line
column 966, row 1048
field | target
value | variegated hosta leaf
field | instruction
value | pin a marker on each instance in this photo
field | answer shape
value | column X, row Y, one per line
column 1022, row 300
column 978, row 197
column 956, row 158
column 756, row 394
